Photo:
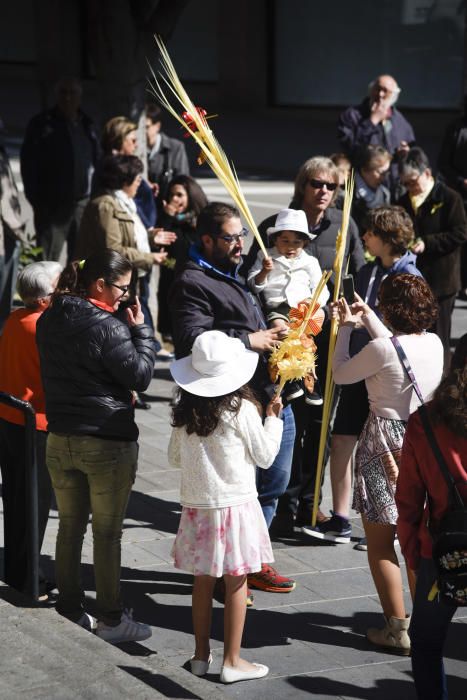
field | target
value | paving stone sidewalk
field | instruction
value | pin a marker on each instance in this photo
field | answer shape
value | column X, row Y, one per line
column 312, row 639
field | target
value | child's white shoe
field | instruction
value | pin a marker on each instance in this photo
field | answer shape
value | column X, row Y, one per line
column 232, row 675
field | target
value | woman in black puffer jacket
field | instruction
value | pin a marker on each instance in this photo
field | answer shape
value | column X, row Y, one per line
column 90, row 363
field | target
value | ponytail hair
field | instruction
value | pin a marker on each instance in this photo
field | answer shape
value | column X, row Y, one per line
column 77, row 278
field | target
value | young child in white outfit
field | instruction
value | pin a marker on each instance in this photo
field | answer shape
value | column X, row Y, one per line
column 218, row 440
column 288, row 276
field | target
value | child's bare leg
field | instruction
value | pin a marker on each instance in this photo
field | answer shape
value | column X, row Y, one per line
column 234, row 622
column 203, row 588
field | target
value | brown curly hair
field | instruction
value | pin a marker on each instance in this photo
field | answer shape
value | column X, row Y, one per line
column 392, row 225
column 407, row 303
column 449, row 405
column 201, row 414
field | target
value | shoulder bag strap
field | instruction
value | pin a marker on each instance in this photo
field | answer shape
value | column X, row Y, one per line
column 406, row 365
column 453, row 492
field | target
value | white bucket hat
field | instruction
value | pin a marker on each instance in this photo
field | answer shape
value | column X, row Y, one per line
column 291, row 220
column 217, row 365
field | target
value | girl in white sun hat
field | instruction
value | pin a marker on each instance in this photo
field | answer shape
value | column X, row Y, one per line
column 218, row 440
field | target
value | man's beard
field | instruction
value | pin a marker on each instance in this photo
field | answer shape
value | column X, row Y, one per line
column 226, row 263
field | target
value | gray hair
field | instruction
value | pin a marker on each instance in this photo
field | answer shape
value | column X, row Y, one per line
column 395, row 94
column 415, row 162
column 309, row 169
column 36, row 281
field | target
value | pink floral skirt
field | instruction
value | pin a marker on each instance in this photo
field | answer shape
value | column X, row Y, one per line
column 218, row 541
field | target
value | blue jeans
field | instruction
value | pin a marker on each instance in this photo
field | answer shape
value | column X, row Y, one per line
column 271, row 483
column 428, row 630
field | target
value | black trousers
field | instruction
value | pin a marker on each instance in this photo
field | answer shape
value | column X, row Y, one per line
column 443, row 326
column 15, row 499
column 164, row 316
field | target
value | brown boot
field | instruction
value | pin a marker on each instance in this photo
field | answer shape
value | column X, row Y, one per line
column 393, row 637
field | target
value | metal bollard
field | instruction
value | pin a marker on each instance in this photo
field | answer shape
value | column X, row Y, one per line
column 32, row 495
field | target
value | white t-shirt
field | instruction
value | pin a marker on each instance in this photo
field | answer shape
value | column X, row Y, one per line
column 290, row 281
column 140, row 231
column 390, row 392
column 219, row 470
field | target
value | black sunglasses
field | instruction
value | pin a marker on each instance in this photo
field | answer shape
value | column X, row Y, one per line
column 320, row 185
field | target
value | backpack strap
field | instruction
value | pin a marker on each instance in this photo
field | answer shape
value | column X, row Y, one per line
column 454, row 494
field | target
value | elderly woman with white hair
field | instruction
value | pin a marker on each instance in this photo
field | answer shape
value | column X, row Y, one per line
column 20, row 377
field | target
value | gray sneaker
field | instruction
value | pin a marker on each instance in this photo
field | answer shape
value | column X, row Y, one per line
column 361, row 545
column 126, row 631
column 87, row 622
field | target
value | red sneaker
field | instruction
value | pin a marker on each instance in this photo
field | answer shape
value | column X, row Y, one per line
column 269, row 580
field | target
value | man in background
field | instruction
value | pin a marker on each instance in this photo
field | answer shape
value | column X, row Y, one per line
column 166, row 156
column 377, row 122
column 58, row 157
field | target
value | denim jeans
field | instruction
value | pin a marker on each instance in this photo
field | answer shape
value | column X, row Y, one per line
column 90, row 475
column 428, row 630
column 271, row 483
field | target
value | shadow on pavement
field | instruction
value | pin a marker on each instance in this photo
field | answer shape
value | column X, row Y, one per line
column 384, row 689
column 155, row 513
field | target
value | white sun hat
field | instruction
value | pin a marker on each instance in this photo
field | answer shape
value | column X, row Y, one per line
column 291, row 220
column 217, row 365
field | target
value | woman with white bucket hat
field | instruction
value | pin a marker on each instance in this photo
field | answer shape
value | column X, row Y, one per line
column 218, row 440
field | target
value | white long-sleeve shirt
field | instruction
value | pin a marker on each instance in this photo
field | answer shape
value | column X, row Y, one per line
column 389, row 391
column 290, row 281
column 219, row 470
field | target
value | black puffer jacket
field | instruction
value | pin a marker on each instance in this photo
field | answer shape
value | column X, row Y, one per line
column 90, row 361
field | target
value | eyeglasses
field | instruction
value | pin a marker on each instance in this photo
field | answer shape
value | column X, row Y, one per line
column 381, row 171
column 237, row 237
column 407, row 182
column 321, row 185
column 122, row 287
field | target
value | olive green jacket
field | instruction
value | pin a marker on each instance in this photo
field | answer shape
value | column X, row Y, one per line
column 105, row 224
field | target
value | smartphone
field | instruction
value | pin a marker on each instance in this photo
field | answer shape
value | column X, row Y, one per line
column 348, row 289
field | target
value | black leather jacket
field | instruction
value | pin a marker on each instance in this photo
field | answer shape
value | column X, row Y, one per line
column 90, row 361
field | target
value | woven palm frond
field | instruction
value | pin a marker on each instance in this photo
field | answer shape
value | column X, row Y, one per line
column 193, row 120
column 341, row 244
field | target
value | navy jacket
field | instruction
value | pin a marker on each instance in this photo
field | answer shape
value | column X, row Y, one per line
column 90, row 362
column 203, row 298
column 146, row 204
column 355, row 129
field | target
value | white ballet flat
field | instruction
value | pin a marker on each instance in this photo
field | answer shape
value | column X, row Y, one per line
column 232, row 675
column 198, row 667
